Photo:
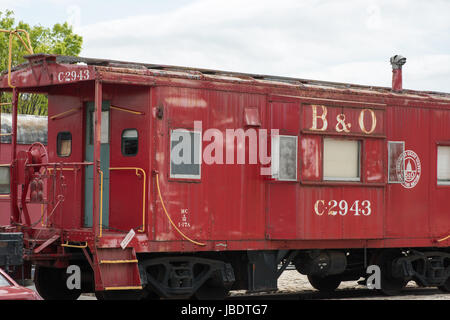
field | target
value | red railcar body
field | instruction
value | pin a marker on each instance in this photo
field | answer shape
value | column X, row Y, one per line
column 33, row 128
column 101, row 185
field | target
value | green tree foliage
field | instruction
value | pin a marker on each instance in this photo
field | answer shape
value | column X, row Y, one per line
column 60, row 39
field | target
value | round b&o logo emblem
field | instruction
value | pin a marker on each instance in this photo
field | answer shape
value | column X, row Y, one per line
column 408, row 169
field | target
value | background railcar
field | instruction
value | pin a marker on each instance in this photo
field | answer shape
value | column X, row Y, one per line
column 155, row 188
column 30, row 129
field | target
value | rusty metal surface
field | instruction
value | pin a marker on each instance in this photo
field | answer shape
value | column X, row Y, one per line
column 200, row 73
column 232, row 207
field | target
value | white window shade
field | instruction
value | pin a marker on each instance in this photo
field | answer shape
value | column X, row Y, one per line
column 443, row 165
column 104, row 129
column 341, row 160
column 395, row 150
column 284, row 158
column 104, row 132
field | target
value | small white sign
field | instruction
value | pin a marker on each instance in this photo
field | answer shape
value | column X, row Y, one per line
column 127, row 239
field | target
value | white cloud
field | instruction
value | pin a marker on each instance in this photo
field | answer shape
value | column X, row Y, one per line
column 347, row 41
column 74, row 17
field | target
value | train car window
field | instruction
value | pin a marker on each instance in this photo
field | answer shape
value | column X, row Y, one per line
column 395, row 150
column 64, row 144
column 341, row 159
column 104, row 130
column 4, row 180
column 130, row 142
column 284, row 158
column 185, row 154
column 443, row 165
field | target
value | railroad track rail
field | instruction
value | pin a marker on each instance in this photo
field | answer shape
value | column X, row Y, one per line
column 346, row 294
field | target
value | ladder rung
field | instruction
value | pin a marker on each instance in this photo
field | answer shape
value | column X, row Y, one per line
column 124, row 288
column 118, row 261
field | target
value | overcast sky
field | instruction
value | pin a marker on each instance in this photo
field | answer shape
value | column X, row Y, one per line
column 344, row 41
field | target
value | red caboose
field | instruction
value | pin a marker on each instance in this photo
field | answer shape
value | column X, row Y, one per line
column 177, row 182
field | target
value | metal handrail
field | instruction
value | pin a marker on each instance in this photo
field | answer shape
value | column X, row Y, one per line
column 101, row 202
column 61, row 164
column 73, row 245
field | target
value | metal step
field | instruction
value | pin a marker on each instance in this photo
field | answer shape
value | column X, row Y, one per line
column 118, row 269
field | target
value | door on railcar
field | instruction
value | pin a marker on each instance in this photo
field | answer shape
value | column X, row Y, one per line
column 104, row 157
column 440, row 174
column 125, row 145
column 410, row 165
column 129, row 159
column 283, row 198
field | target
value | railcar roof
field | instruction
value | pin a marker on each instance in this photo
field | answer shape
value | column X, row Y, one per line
column 198, row 73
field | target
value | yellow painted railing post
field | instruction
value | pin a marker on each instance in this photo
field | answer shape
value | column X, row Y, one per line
column 101, row 203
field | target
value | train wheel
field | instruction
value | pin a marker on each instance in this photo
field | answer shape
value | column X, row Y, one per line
column 389, row 285
column 51, row 284
column 446, row 286
column 325, row 284
column 213, row 289
column 150, row 295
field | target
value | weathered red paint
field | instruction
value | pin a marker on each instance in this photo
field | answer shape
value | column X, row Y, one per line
column 5, row 199
column 233, row 207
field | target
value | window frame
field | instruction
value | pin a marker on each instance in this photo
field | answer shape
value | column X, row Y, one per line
column 389, row 159
column 186, row 177
column 276, row 175
column 58, row 146
column 122, row 144
column 441, row 183
column 9, row 178
column 105, row 125
column 343, row 179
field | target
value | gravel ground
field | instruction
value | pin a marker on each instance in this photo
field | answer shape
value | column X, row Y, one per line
column 294, row 286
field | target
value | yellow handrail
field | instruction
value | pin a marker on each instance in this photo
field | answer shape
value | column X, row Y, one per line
column 443, row 239
column 73, row 245
column 170, row 220
column 101, row 202
column 143, row 190
column 118, row 261
column 42, row 215
column 127, row 110
column 27, row 46
column 61, row 169
column 64, row 113
column 124, row 288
